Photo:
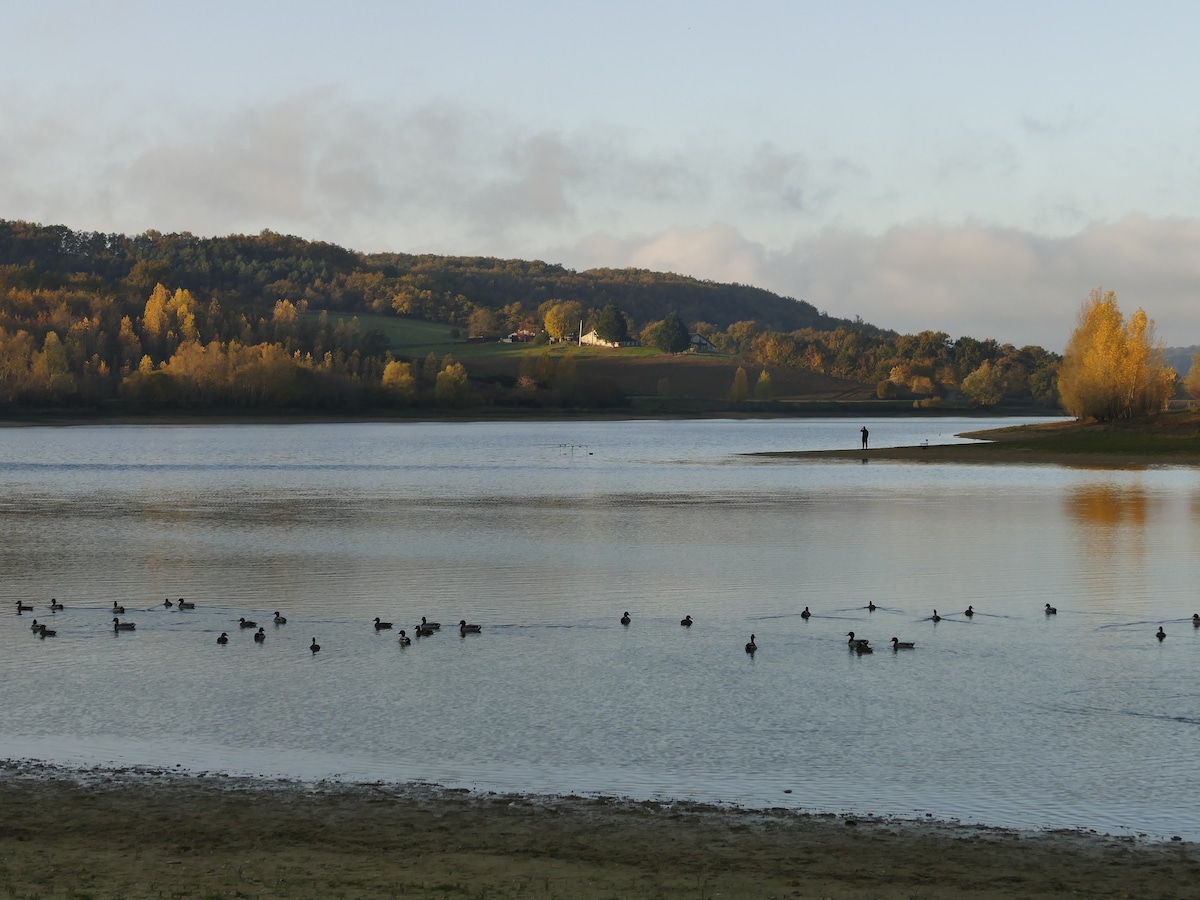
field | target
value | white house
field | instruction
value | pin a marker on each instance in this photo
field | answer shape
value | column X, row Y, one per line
column 698, row 343
column 592, row 339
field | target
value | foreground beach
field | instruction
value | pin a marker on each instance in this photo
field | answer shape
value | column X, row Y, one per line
column 137, row 834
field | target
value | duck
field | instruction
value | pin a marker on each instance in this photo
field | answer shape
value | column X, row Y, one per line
column 117, row 609
column 806, row 614
column 280, row 620
column 426, row 624
column 167, row 603
column 751, row 646
column 186, row 604
column 1196, row 620
column 55, row 606
column 423, row 630
column 871, row 607
column 625, row 620
column 854, row 643
column 45, row 632
column 935, row 617
column 382, row 626
column 314, row 646
column 35, row 626
column 223, row 639
column 22, row 607
column 405, row 640
column 118, row 625
column 259, row 637
column 969, row 612
column 686, row 621
column 898, row 644
column 246, row 623
column 862, row 648
column 464, row 628
column 1050, row 610
column 1161, row 634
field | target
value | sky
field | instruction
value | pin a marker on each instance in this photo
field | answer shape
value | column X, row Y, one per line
column 969, row 167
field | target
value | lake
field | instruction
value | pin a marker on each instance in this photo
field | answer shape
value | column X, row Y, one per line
column 544, row 533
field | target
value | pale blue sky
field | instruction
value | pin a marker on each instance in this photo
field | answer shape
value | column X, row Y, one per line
column 970, row 167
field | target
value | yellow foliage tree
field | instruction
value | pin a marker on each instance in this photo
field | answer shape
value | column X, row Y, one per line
column 398, row 377
column 740, row 389
column 1112, row 369
column 1193, row 379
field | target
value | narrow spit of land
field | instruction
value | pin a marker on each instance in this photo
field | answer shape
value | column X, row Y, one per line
column 1172, row 439
column 151, row 834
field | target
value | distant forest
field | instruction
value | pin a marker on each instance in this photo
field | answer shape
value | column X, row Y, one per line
column 169, row 321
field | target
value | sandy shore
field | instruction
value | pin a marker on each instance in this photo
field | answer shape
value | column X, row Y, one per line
column 149, row 833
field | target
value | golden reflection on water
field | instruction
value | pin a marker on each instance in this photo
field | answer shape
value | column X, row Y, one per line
column 1112, row 530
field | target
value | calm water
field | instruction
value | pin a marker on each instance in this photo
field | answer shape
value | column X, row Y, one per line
column 545, row 533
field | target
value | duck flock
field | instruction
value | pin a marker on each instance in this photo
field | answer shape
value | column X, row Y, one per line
column 426, row 628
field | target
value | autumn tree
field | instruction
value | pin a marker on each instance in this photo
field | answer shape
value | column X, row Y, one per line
column 451, row 388
column 1112, row 368
column 562, row 318
column 740, row 389
column 984, row 386
column 762, row 387
column 1193, row 379
column 398, row 378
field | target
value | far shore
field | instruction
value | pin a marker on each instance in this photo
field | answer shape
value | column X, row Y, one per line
column 153, row 833
column 1172, row 439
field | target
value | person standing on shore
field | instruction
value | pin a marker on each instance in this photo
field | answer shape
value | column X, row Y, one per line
column 865, row 435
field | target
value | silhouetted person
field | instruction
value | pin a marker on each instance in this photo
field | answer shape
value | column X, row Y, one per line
column 865, row 435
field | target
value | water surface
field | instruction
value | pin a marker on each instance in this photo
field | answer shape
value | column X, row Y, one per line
column 545, row 533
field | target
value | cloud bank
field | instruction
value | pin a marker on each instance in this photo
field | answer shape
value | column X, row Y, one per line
column 445, row 177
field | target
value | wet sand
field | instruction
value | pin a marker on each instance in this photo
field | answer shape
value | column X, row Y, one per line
column 150, row 833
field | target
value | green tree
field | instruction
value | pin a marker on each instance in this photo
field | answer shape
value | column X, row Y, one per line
column 673, row 336
column 612, row 325
column 984, row 386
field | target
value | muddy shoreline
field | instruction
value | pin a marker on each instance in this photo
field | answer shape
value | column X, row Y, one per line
column 153, row 833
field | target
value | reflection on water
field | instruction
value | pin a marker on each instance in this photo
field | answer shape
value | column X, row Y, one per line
column 1009, row 717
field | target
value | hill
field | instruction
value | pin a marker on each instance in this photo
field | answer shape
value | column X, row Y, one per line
column 258, row 270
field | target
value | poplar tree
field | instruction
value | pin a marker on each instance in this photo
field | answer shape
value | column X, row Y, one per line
column 1113, row 369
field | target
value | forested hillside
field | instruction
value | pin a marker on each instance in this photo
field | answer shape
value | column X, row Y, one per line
column 157, row 322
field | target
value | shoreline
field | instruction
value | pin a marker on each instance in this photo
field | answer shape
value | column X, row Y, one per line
column 144, row 831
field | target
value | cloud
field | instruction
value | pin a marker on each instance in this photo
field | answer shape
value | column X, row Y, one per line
column 1012, row 285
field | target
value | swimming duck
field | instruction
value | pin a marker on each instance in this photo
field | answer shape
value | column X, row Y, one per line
column 167, row 603
column 280, row 620
column 854, row 642
column 871, row 607
column 118, row 609
column 35, row 626
column 21, row 607
column 45, row 632
column 55, row 606
column 625, row 620
column 970, row 612
column 686, row 621
column 118, row 625
column 1050, row 610
column 1161, row 634
column 382, row 626
column 898, row 644
column 464, row 628
column 935, row 617
column 751, row 646
column 426, row 624
column 223, row 639
column 423, row 630
column 806, row 614
column 186, row 604
column 1196, row 619
column 259, row 637
column 246, row 623
column 405, row 640
column 862, row 648
column 314, row 646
